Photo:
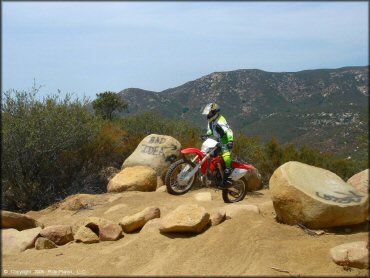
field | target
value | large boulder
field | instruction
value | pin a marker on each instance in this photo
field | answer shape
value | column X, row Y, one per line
column 14, row 241
column 155, row 151
column 353, row 254
column 59, row 234
column 137, row 221
column 360, row 181
column 18, row 221
column 137, row 178
column 185, row 218
column 254, row 180
column 315, row 197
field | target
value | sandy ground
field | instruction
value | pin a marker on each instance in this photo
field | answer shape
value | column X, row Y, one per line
column 247, row 245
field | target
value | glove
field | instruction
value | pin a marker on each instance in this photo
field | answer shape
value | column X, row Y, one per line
column 230, row 145
column 204, row 137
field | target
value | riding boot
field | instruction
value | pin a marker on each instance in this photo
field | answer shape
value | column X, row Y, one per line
column 227, row 181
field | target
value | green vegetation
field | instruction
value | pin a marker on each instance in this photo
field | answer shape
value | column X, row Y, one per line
column 107, row 103
column 54, row 147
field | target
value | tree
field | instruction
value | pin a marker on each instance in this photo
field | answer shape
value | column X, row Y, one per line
column 107, row 103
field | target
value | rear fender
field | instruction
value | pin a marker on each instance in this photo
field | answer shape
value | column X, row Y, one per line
column 242, row 166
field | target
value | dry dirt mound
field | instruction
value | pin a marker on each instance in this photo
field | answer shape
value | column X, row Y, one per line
column 250, row 244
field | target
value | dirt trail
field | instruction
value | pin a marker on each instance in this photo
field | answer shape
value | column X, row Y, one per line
column 248, row 245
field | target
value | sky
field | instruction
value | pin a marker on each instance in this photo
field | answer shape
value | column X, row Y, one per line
column 85, row 48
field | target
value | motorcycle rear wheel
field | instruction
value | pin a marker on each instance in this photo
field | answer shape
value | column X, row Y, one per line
column 172, row 184
column 236, row 192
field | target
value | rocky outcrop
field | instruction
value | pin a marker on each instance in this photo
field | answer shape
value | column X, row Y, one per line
column 44, row 243
column 315, row 197
column 360, row 181
column 155, row 151
column 137, row 221
column 14, row 241
column 185, row 218
column 137, row 178
column 254, row 180
column 233, row 210
column 59, row 234
column 354, row 254
column 18, row 221
column 86, row 235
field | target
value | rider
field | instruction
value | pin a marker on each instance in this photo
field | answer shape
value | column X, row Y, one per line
column 218, row 128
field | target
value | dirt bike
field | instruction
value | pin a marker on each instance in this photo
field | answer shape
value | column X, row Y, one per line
column 208, row 165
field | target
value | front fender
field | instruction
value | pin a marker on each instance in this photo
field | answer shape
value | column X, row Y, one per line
column 193, row 150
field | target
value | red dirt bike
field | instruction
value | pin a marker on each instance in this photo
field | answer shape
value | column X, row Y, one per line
column 208, row 165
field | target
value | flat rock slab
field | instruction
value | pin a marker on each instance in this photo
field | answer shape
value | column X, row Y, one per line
column 155, row 151
column 354, row 254
column 114, row 208
column 235, row 210
column 137, row 221
column 14, row 241
column 315, row 197
column 217, row 217
column 18, row 221
column 203, row 196
column 59, row 234
column 137, row 178
column 185, row 218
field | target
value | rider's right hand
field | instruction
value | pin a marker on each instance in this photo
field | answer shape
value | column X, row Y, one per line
column 204, row 137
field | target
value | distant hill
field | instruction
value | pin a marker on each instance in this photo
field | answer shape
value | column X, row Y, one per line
column 325, row 108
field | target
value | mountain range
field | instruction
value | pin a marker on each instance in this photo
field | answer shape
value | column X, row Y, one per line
column 324, row 108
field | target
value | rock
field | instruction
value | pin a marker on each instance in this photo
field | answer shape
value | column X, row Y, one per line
column 254, row 180
column 360, row 181
column 92, row 223
column 76, row 202
column 315, row 197
column 18, row 221
column 233, row 210
column 44, row 243
column 151, row 226
column 203, row 196
column 137, row 178
column 110, row 232
column 161, row 189
column 155, row 151
column 86, row 235
column 354, row 254
column 217, row 217
column 137, row 221
column 59, row 234
column 14, row 241
column 185, row 218
column 114, row 208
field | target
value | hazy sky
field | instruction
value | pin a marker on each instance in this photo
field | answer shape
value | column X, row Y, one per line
column 90, row 47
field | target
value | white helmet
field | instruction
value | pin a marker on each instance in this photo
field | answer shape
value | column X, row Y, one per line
column 211, row 110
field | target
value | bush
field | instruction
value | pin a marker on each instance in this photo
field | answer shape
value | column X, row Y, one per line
column 42, row 143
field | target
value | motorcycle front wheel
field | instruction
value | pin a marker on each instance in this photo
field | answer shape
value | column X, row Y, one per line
column 236, row 192
column 174, row 184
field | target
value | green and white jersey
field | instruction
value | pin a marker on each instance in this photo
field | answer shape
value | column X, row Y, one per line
column 221, row 130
